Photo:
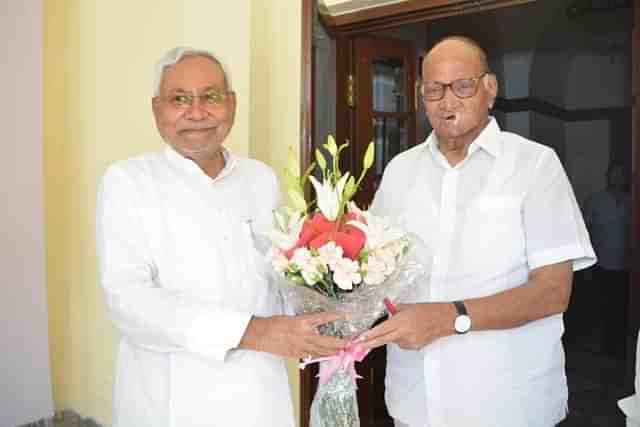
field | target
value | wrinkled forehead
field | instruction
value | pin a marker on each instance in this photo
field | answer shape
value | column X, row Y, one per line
column 193, row 73
column 453, row 57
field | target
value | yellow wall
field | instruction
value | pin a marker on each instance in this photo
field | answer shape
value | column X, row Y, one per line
column 275, row 95
column 98, row 84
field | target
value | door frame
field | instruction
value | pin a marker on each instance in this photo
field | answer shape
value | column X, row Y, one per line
column 414, row 11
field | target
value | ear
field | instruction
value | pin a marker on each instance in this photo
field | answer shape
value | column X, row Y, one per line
column 232, row 105
column 155, row 105
column 491, row 86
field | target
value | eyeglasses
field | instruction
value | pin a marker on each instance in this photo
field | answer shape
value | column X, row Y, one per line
column 214, row 98
column 462, row 88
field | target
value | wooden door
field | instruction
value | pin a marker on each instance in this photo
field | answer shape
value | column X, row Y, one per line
column 375, row 102
column 379, row 103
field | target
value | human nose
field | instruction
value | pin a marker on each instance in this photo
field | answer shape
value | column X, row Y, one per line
column 197, row 109
column 449, row 99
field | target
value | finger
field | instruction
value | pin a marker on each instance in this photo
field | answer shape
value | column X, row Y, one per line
column 380, row 335
column 401, row 307
column 380, row 330
column 327, row 345
column 325, row 317
column 379, row 341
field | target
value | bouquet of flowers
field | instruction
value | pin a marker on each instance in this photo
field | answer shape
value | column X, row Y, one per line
column 329, row 255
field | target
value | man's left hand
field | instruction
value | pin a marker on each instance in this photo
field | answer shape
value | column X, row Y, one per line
column 413, row 326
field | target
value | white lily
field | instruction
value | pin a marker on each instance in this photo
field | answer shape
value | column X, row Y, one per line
column 378, row 230
column 286, row 235
column 329, row 198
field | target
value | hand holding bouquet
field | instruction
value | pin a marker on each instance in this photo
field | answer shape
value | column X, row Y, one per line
column 329, row 255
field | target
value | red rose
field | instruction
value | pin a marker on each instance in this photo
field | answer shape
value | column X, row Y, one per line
column 318, row 231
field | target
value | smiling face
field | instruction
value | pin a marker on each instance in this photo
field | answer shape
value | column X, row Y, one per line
column 458, row 121
column 198, row 130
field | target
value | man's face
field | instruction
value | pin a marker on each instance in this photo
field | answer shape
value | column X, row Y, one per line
column 198, row 128
column 454, row 118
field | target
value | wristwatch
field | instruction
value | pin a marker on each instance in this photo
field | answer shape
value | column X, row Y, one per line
column 462, row 324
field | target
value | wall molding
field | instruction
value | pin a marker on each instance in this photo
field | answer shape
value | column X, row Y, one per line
column 548, row 109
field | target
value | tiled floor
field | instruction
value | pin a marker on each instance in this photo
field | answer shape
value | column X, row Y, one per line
column 596, row 382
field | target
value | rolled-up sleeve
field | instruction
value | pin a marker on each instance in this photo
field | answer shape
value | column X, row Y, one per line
column 554, row 227
column 147, row 314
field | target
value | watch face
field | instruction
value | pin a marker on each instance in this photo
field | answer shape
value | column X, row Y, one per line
column 462, row 324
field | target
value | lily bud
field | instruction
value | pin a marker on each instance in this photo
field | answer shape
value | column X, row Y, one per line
column 331, row 146
column 322, row 162
column 369, row 156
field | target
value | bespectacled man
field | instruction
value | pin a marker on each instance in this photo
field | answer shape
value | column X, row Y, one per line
column 480, row 343
column 202, row 337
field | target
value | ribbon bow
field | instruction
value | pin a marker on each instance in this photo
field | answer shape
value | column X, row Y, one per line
column 346, row 360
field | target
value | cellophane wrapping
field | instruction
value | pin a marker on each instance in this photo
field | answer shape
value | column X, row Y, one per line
column 335, row 403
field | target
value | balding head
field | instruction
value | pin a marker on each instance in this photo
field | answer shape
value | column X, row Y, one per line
column 458, row 48
column 459, row 115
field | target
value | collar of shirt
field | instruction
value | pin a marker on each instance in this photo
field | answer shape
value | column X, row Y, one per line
column 488, row 140
column 192, row 168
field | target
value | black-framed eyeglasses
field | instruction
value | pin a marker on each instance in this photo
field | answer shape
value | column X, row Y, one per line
column 212, row 97
column 462, row 88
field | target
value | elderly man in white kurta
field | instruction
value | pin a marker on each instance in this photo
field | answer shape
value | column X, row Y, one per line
column 201, row 338
column 481, row 344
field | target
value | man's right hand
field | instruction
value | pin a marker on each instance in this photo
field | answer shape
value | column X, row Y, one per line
column 292, row 336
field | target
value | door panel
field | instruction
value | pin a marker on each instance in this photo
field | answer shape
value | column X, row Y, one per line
column 382, row 110
column 384, row 75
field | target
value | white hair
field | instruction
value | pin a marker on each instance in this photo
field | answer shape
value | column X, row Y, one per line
column 175, row 55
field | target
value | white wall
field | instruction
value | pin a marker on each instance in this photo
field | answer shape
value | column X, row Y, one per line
column 25, row 385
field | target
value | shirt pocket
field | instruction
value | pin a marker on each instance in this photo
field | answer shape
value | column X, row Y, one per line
column 493, row 233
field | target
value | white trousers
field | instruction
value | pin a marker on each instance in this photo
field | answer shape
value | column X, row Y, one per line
column 630, row 422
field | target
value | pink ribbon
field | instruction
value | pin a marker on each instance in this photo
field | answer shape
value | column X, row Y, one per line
column 346, row 360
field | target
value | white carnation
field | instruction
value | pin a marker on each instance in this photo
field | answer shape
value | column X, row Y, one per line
column 346, row 274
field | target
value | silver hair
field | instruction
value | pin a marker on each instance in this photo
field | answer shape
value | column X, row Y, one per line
column 175, row 55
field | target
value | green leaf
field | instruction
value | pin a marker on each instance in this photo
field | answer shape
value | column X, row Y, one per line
column 349, row 189
column 322, row 162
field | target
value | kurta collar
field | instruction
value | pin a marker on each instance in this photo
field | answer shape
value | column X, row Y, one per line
column 488, row 140
column 192, row 168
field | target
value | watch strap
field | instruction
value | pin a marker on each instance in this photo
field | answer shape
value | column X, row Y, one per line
column 460, row 308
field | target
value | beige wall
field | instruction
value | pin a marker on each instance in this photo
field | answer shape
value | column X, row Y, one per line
column 98, row 83
column 275, row 94
column 23, row 304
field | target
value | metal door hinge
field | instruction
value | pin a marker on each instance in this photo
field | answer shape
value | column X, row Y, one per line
column 351, row 97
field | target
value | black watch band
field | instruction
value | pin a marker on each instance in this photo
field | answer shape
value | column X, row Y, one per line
column 462, row 323
column 460, row 308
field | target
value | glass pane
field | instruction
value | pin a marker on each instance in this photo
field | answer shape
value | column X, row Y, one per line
column 390, row 138
column 389, row 85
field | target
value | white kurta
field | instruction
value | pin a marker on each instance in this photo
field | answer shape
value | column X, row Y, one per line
column 181, row 282
column 507, row 209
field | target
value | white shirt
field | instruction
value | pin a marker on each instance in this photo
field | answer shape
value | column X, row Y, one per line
column 181, row 282
column 505, row 210
column 609, row 219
